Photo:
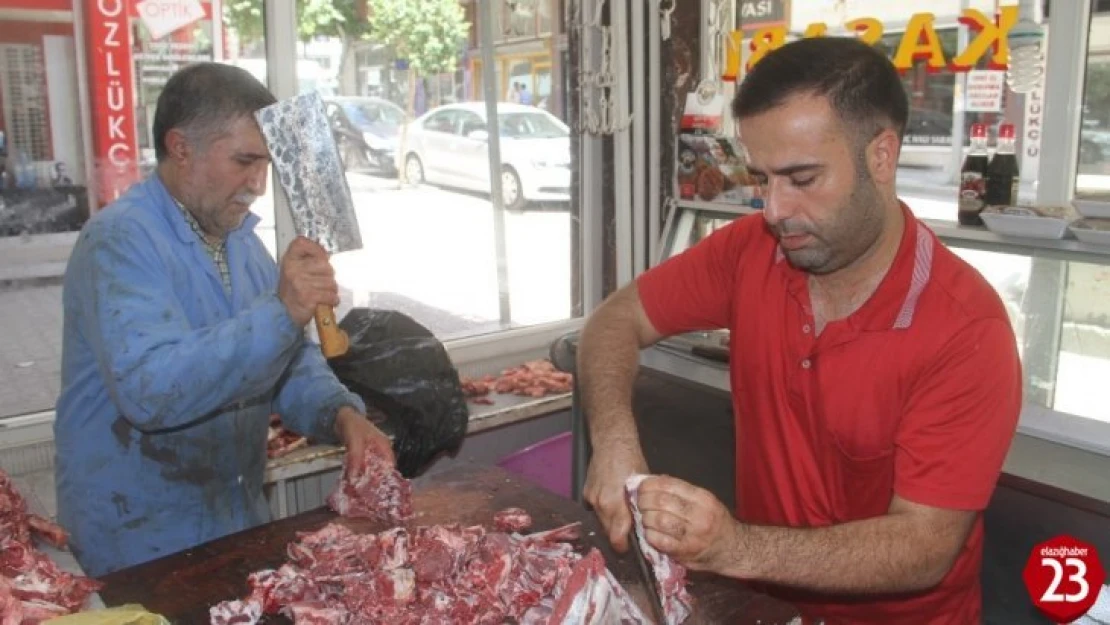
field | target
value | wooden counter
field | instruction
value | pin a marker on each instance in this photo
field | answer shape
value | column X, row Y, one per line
column 182, row 586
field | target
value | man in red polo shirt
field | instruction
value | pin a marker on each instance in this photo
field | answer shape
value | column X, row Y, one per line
column 874, row 374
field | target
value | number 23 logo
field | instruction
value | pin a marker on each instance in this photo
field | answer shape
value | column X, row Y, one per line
column 1079, row 577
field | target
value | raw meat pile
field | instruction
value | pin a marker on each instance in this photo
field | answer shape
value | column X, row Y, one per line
column 670, row 576
column 281, row 441
column 32, row 588
column 377, row 492
column 435, row 575
column 535, row 378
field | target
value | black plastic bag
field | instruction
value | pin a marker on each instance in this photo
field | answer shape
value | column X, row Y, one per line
column 402, row 370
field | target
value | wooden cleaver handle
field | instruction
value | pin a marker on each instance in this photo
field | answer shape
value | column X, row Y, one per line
column 333, row 340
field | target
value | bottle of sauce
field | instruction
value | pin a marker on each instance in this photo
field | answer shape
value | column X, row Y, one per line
column 973, row 179
column 1003, row 174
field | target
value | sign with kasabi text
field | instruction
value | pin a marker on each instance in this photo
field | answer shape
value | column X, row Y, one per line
column 919, row 41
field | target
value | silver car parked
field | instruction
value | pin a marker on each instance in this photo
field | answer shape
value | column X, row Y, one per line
column 449, row 145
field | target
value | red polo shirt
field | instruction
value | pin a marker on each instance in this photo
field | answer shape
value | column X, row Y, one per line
column 917, row 394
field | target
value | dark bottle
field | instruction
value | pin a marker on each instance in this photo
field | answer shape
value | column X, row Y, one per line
column 1003, row 174
column 973, row 178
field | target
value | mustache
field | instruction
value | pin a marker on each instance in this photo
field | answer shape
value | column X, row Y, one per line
column 245, row 197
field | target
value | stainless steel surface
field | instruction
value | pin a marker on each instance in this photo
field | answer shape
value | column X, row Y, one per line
column 650, row 582
column 307, row 164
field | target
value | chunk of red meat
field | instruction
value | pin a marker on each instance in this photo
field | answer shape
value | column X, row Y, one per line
column 316, row 613
column 670, row 576
column 377, row 492
column 512, row 520
column 235, row 613
column 48, row 530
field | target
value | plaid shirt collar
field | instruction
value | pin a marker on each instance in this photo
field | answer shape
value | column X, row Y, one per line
column 217, row 250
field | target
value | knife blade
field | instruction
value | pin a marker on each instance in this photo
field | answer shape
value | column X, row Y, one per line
column 307, row 164
column 650, row 583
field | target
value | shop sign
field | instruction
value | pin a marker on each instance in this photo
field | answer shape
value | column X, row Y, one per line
column 115, row 151
column 919, row 41
column 1031, row 137
column 162, row 17
column 758, row 13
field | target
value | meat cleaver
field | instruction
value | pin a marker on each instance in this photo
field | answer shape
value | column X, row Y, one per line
column 307, row 164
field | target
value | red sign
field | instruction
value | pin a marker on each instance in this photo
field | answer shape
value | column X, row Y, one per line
column 112, row 95
column 1064, row 577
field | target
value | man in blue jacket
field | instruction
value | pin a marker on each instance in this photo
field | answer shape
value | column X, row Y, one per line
column 182, row 336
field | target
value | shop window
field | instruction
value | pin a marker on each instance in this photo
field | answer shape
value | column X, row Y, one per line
column 43, row 195
column 437, row 246
column 23, row 80
column 1093, row 180
column 937, row 134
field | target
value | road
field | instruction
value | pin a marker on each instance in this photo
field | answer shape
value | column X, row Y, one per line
column 430, row 253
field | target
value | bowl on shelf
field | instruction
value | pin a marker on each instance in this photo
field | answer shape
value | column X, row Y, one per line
column 1098, row 209
column 1030, row 222
column 1092, row 230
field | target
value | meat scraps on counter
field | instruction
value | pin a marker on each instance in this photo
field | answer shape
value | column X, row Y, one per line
column 32, row 587
column 535, row 378
column 437, row 574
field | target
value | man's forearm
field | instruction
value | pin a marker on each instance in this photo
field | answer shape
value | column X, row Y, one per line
column 881, row 555
column 608, row 359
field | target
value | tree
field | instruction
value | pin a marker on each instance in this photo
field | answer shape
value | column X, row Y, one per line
column 426, row 34
column 341, row 19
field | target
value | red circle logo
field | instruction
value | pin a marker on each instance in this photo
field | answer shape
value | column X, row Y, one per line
column 1063, row 577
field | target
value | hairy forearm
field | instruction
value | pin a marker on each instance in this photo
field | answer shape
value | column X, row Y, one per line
column 608, row 359
column 885, row 554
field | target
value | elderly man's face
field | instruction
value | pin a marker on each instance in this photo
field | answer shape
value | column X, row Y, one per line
column 225, row 175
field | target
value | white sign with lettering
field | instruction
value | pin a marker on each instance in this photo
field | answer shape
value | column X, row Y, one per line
column 162, row 17
column 984, row 90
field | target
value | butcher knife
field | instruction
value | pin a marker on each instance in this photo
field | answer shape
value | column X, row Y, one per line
column 648, row 573
column 307, row 164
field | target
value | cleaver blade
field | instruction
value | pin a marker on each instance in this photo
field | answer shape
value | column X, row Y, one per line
column 309, row 170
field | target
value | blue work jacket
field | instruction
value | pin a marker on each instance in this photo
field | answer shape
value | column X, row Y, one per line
column 168, row 383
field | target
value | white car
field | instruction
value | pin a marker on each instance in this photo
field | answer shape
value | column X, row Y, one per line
column 449, row 145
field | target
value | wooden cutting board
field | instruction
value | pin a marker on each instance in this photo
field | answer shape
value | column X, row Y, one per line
column 183, row 586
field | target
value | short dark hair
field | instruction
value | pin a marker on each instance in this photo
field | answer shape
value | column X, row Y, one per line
column 204, row 98
column 859, row 81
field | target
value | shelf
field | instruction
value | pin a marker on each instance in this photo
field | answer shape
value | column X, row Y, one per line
column 969, row 237
column 966, row 237
column 718, row 207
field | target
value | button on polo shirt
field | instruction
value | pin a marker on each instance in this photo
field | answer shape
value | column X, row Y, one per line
column 917, row 394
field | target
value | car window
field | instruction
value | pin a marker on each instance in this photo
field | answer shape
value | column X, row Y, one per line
column 530, row 126
column 443, row 121
column 470, row 123
column 365, row 114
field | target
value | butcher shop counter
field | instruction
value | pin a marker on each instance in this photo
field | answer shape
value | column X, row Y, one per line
column 182, row 586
